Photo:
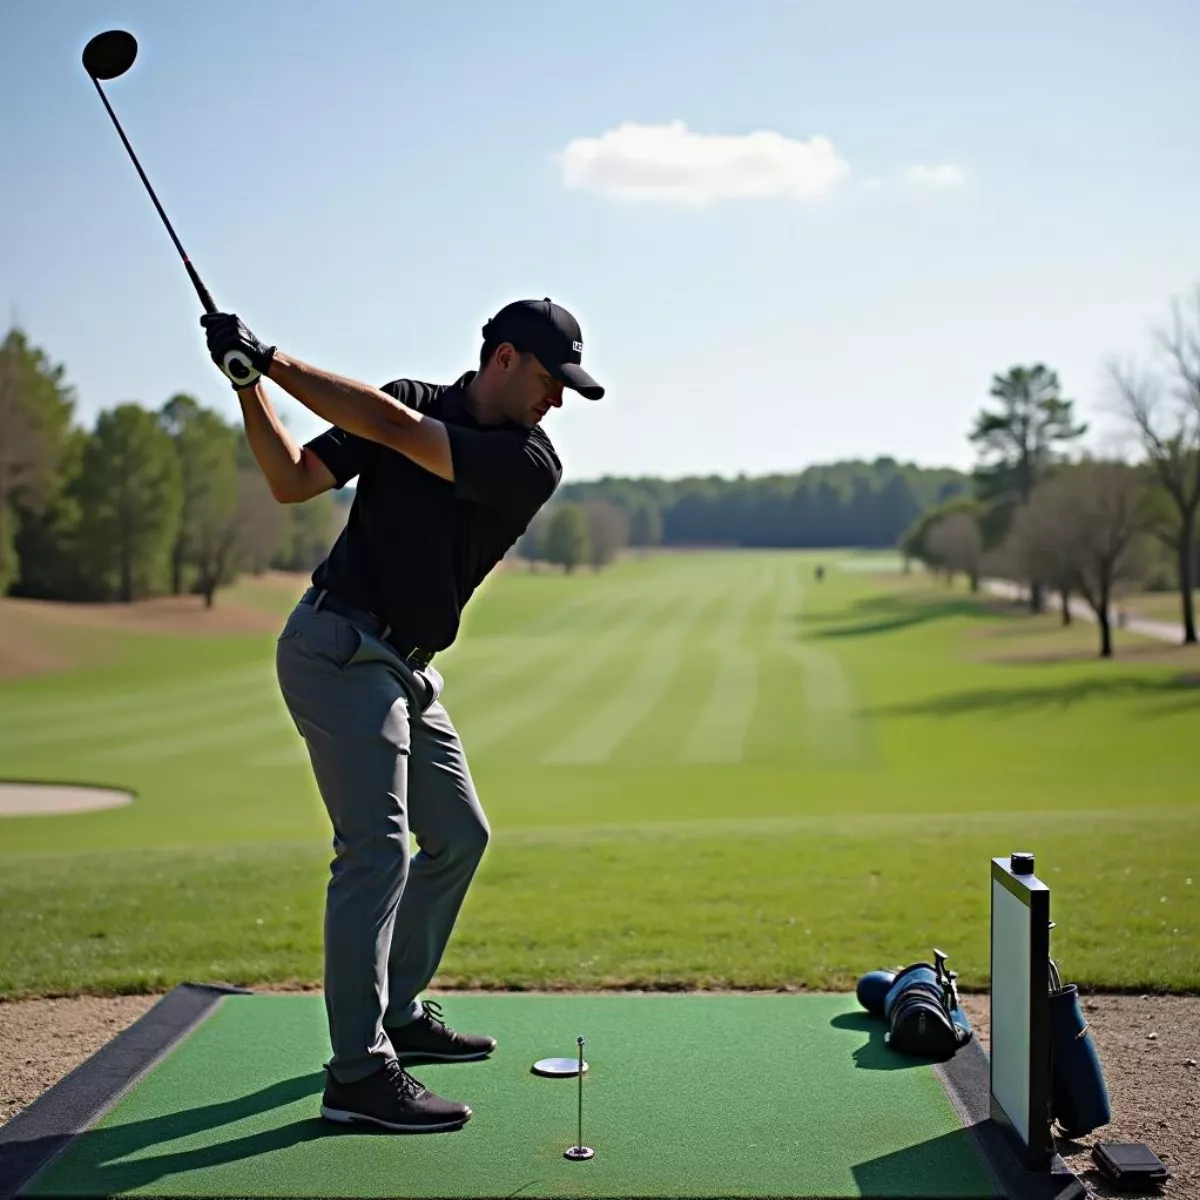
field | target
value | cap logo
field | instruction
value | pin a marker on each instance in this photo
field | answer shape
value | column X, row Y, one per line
column 577, row 346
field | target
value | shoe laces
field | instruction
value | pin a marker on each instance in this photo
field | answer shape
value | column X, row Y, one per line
column 433, row 1011
column 405, row 1085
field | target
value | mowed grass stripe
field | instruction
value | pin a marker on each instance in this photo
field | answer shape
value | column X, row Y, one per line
column 133, row 725
column 833, row 731
column 525, row 655
column 18, row 712
column 596, row 737
column 719, row 732
column 655, row 745
column 537, row 692
column 209, row 737
column 508, row 656
column 489, row 656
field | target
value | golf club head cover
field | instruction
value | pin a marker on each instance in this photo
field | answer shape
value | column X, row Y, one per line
column 921, row 1008
column 872, row 990
column 1080, row 1096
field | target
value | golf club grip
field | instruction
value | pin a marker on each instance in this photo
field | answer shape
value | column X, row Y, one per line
column 201, row 291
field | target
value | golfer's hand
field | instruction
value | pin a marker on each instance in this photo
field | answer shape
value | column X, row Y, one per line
column 239, row 354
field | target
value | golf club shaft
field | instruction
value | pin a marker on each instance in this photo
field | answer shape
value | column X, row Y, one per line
column 201, row 290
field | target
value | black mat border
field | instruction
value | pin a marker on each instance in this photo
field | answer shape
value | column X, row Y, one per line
column 80, row 1098
column 37, row 1135
column 968, row 1082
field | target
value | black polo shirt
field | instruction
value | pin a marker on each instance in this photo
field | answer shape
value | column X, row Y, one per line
column 416, row 546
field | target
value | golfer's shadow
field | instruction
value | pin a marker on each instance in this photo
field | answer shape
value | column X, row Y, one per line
column 102, row 1155
column 874, row 1054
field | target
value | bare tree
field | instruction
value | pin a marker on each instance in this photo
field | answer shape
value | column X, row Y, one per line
column 261, row 522
column 956, row 543
column 608, row 530
column 1038, row 546
column 1091, row 513
column 1170, row 435
column 214, row 556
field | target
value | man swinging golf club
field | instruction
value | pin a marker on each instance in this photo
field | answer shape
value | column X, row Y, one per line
column 449, row 477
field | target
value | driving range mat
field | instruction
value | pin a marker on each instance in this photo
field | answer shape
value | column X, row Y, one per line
column 216, row 1092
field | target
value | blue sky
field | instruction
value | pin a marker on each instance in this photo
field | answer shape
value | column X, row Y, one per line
column 936, row 191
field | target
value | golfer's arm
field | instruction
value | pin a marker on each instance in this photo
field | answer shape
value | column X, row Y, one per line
column 367, row 412
column 292, row 472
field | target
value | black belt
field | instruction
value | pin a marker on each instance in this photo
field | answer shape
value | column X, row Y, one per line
column 416, row 656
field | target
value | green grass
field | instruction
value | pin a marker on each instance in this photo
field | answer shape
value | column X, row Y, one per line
column 700, row 770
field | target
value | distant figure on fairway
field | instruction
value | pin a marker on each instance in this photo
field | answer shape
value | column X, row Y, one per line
column 820, row 572
column 449, row 477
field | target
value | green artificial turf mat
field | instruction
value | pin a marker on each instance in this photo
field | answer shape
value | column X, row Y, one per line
column 687, row 1095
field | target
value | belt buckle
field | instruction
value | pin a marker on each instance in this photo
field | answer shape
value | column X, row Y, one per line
column 412, row 655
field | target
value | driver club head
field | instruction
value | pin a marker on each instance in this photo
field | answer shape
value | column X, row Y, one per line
column 109, row 54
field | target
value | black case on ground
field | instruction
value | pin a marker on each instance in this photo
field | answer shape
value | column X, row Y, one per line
column 1129, row 1164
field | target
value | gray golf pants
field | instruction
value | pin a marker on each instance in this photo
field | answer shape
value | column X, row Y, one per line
column 387, row 760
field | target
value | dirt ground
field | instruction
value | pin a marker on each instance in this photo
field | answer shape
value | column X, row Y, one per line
column 54, row 635
column 1149, row 1047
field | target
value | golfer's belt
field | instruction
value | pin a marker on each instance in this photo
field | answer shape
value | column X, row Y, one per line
column 415, row 656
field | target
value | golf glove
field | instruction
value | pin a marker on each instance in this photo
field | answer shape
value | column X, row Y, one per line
column 239, row 354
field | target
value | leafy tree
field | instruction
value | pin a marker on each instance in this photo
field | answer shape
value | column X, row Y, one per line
column 1018, row 445
column 567, row 541
column 645, row 523
column 130, row 489
column 310, row 529
column 48, row 539
column 1170, row 437
column 530, row 545
column 206, row 448
column 36, row 407
column 896, row 506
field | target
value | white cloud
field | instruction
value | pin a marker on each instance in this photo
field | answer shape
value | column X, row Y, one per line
column 945, row 175
column 672, row 164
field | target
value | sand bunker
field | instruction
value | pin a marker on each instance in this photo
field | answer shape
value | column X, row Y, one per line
column 47, row 799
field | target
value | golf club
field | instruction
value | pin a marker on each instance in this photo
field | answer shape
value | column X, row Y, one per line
column 107, row 56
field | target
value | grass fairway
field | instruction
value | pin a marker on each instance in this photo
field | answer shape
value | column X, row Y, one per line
column 700, row 770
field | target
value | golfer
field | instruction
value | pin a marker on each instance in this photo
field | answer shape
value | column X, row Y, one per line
column 449, row 477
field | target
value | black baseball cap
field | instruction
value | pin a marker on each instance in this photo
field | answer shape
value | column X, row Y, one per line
column 547, row 330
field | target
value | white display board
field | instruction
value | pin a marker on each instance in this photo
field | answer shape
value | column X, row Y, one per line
column 1019, row 1054
column 1010, row 1007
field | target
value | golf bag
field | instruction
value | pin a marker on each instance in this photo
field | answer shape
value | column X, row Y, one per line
column 920, row 1004
column 1080, row 1101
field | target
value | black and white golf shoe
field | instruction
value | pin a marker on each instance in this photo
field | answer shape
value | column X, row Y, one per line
column 429, row 1039
column 392, row 1099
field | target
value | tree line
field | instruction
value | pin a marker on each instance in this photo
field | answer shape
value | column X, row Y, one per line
column 858, row 503
column 1080, row 524
column 151, row 501
column 145, row 502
